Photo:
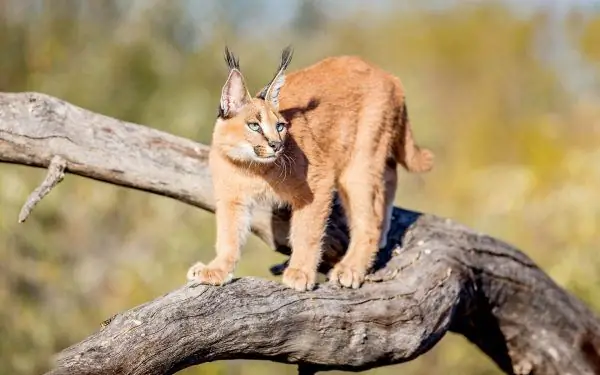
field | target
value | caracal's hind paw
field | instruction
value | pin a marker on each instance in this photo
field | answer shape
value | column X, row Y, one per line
column 210, row 275
column 347, row 276
column 298, row 279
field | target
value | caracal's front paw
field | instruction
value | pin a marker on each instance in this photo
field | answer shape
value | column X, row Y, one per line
column 347, row 275
column 298, row 279
column 210, row 274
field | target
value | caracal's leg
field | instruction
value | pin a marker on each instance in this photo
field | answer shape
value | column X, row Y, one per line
column 233, row 222
column 309, row 218
column 390, row 178
column 364, row 189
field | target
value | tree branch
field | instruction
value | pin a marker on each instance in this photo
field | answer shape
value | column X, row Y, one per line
column 35, row 127
column 436, row 276
column 56, row 173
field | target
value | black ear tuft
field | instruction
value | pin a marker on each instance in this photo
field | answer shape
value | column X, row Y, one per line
column 232, row 61
column 286, row 58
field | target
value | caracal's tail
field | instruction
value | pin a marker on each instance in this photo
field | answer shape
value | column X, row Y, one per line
column 412, row 157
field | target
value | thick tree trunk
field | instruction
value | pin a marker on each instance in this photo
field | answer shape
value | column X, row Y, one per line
column 436, row 275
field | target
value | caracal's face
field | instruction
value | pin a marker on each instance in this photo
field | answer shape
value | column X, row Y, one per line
column 257, row 133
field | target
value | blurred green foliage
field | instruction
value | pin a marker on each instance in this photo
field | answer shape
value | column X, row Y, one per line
column 516, row 145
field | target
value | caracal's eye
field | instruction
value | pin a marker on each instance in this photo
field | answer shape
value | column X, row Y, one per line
column 280, row 126
column 254, row 126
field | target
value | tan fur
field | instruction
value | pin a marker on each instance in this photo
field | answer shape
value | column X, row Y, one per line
column 346, row 128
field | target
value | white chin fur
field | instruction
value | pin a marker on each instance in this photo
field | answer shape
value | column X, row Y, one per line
column 264, row 160
column 245, row 152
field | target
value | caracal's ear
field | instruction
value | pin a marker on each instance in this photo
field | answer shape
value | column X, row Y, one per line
column 234, row 94
column 271, row 92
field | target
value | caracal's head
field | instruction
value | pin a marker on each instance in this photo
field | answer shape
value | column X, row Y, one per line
column 251, row 129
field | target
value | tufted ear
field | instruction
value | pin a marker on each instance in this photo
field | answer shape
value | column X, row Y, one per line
column 271, row 92
column 234, row 94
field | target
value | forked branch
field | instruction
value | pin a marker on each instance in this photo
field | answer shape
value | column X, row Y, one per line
column 436, row 276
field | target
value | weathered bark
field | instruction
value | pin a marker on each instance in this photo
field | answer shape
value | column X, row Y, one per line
column 436, row 276
column 35, row 127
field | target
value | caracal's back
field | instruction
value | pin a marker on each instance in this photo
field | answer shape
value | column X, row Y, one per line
column 344, row 98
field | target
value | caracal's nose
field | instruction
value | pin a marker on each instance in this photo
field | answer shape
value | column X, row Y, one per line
column 275, row 145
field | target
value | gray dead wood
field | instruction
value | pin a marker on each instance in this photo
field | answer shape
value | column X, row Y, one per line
column 56, row 173
column 437, row 276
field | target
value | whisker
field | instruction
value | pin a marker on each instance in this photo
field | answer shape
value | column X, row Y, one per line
column 288, row 158
column 284, row 167
column 280, row 167
column 292, row 162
